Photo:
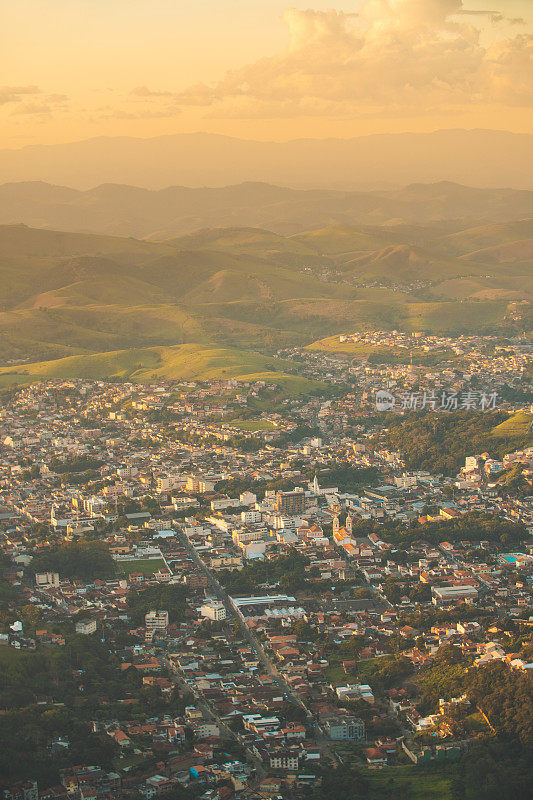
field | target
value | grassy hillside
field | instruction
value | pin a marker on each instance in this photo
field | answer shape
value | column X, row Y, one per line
column 482, row 236
column 156, row 363
column 343, row 239
column 228, row 293
column 383, row 355
column 254, row 242
column 518, row 425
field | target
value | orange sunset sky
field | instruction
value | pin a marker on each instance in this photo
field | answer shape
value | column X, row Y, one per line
column 263, row 69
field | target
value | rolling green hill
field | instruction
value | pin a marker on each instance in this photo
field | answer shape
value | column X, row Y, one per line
column 517, row 425
column 254, row 242
column 155, row 363
column 482, row 236
column 243, row 291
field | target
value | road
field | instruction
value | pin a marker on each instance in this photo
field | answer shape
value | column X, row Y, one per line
column 209, row 713
column 262, row 656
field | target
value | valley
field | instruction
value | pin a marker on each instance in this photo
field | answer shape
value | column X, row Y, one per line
column 225, row 300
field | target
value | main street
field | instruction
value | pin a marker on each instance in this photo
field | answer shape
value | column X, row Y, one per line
column 262, row 655
column 209, row 713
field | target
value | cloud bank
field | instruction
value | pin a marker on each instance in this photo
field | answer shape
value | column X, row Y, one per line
column 394, row 55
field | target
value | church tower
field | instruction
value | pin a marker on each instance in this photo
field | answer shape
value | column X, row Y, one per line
column 349, row 525
column 335, row 525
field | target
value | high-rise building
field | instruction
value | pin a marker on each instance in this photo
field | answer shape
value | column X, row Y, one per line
column 290, row 502
column 156, row 621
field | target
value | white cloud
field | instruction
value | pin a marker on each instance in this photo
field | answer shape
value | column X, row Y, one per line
column 412, row 55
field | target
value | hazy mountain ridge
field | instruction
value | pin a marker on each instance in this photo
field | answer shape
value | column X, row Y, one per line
column 177, row 210
column 478, row 157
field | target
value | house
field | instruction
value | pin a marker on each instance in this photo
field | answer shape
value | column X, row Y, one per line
column 270, row 787
column 286, row 759
column 375, row 756
column 120, row 738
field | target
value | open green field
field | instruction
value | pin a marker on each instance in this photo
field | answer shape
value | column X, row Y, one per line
column 417, row 783
column 517, row 425
column 146, row 566
column 252, row 425
column 365, row 669
column 336, row 676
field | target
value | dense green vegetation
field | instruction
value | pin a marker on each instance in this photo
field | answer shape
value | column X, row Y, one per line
column 56, row 692
column 74, row 464
column 168, row 598
column 494, row 770
column 348, row 478
column 441, row 442
column 27, row 737
column 472, row 527
column 84, row 559
column 26, row 677
column 287, row 572
column 502, row 767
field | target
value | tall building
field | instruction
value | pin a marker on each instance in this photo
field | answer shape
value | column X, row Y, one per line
column 290, row 502
column 156, row 621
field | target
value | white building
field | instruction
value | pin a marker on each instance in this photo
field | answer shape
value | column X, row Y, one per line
column 213, row 609
column 86, row 627
column 47, row 580
column 156, row 621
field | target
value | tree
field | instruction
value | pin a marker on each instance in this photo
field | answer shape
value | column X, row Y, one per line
column 350, row 649
column 85, row 559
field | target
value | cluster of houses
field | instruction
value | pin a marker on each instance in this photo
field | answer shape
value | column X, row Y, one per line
column 261, row 684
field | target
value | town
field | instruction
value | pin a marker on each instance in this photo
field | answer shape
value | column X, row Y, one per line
column 218, row 589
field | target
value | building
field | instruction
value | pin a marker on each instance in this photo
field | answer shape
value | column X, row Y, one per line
column 25, row 790
column 156, row 621
column 340, row 729
column 284, row 759
column 47, row 580
column 443, row 595
column 86, row 626
column 291, row 503
column 213, row 609
column 196, row 580
column 93, row 781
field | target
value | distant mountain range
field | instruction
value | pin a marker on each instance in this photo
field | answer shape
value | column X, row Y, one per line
column 177, row 210
column 477, row 157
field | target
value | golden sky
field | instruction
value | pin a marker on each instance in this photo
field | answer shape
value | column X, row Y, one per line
column 263, row 69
